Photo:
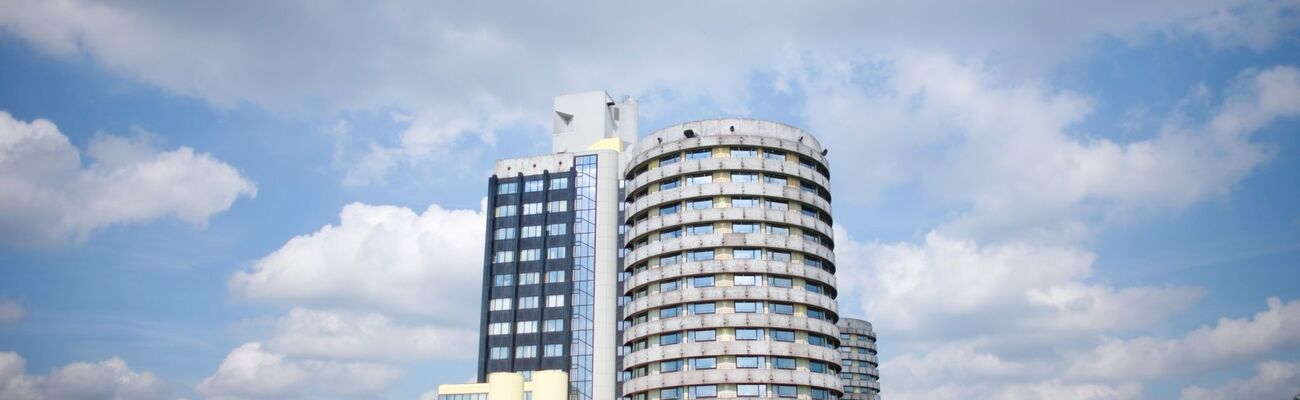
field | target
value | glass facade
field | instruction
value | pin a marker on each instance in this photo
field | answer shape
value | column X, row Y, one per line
column 584, row 275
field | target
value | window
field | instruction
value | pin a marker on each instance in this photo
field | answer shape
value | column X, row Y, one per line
column 774, row 155
column 530, row 255
column 783, row 362
column 531, row 231
column 775, row 180
column 670, row 234
column 505, row 211
column 777, row 205
column 707, row 335
column 669, row 184
column 702, row 308
column 499, row 304
column 525, row 351
column 668, row 210
column 808, row 211
column 704, row 363
column 553, row 350
column 701, row 255
column 779, row 308
column 812, row 262
column 559, row 183
column 500, row 353
column 556, row 252
column 499, row 328
column 779, row 256
column 808, row 187
column 669, row 312
column 749, row 362
column 704, row 391
column 555, row 276
column 670, row 338
column 781, row 282
column 747, row 307
column 553, row 325
column 778, row 230
column 787, row 391
column 555, row 300
column 811, row 237
column 669, row 160
column 670, row 260
column 502, row 280
column 744, row 152
column 751, row 390
column 530, row 278
column 700, row 229
column 699, row 204
column 526, row 327
column 820, row 394
column 746, row 254
column 749, row 333
column 746, row 280
column 503, row 257
column 702, row 281
column 744, row 177
column 699, row 154
column 557, row 229
column 817, row 366
column 744, row 202
column 670, row 366
column 741, row 227
column 527, row 302
column 532, row 208
column 504, row 233
column 698, row 179
column 782, row 335
column 557, row 206
column 533, row 185
column 507, row 188
column 816, row 314
column 670, row 394
column 668, row 286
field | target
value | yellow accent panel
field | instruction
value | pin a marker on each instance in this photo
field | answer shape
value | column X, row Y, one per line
column 615, row 144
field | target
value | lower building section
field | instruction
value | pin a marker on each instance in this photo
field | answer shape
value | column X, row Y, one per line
column 543, row 385
column 858, row 350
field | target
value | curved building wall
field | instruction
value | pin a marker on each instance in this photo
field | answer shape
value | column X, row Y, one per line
column 858, row 349
column 729, row 265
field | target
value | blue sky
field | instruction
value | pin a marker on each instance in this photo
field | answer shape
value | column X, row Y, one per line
column 1033, row 200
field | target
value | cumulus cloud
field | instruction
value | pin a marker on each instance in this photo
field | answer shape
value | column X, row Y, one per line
column 353, row 335
column 11, row 310
column 1272, row 380
column 108, row 379
column 1231, row 340
column 249, row 371
column 47, row 196
column 381, row 258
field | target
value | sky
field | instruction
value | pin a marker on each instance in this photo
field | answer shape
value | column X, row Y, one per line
column 1033, row 200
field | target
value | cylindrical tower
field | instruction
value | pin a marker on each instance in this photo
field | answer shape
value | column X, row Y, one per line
column 729, row 265
column 858, row 346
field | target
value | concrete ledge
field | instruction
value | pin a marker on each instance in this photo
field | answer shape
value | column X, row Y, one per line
column 691, row 217
column 714, row 240
column 694, row 295
column 724, row 376
column 729, row 267
column 691, row 322
column 683, row 192
column 757, row 164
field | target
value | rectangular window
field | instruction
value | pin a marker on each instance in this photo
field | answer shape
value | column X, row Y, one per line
column 507, row 188
column 699, row 154
column 779, row 256
column 808, row 211
column 527, row 302
column 781, row 282
column 533, row 185
column 787, row 391
column 504, row 233
column 816, row 314
column 555, row 300
column 499, row 304
column 559, row 183
column 744, row 177
column 555, row 276
column 749, row 362
column 704, row 363
column 749, row 334
column 500, row 353
column 530, row 255
column 526, row 327
column 669, row 160
column 525, row 351
column 553, row 325
column 783, row 363
column 808, row 187
column 812, row 262
column 780, row 308
column 530, row 278
column 699, row 179
column 747, row 307
column 775, row 180
column 778, row 230
column 670, row 234
column 670, row 338
column 747, row 280
column 499, row 328
column 744, row 152
column 668, row 286
column 670, row 394
column 532, row 208
column 557, row 229
column 700, row 229
column 702, row 204
column 704, row 391
column 817, row 366
column 669, row 312
column 503, row 257
column 774, row 155
column 505, row 211
column 782, row 336
column 502, row 280
column 701, row 255
column 670, row 366
column 702, row 281
column 553, row 350
column 557, row 206
column 707, row 335
column 746, row 254
column 741, row 227
column 751, row 390
column 556, row 252
column 670, row 260
column 669, row 184
column 744, row 202
column 702, row 308
column 819, row 394
column 776, row 205
column 530, row 231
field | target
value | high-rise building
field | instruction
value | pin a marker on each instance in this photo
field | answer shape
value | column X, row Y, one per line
column 696, row 262
column 858, row 347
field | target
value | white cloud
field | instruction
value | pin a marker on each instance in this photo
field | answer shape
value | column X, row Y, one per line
column 47, row 196
column 381, row 258
column 1231, row 340
column 11, row 310
column 108, row 379
column 1257, row 25
column 251, row 372
column 352, row 335
column 1272, row 380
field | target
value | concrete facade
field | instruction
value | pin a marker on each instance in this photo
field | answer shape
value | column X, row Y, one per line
column 858, row 347
column 543, row 385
